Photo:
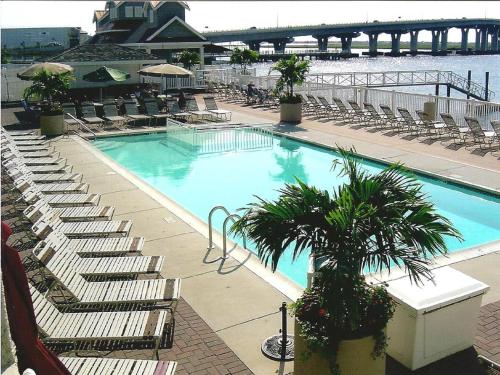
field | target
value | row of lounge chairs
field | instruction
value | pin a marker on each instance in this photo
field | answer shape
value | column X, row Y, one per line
column 151, row 116
column 471, row 134
column 88, row 265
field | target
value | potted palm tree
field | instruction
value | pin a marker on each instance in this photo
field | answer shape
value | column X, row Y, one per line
column 369, row 223
column 293, row 72
column 50, row 89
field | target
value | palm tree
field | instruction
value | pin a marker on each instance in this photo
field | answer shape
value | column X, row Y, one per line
column 49, row 88
column 293, row 72
column 244, row 58
column 371, row 222
column 189, row 58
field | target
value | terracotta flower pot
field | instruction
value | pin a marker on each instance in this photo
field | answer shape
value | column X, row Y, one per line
column 291, row 112
column 353, row 358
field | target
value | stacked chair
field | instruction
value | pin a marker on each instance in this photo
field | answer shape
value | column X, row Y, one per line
column 91, row 294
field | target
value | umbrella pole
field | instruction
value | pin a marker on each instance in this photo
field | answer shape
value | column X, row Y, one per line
column 100, row 94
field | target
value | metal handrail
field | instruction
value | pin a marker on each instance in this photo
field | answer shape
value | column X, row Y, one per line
column 224, row 235
column 229, row 216
column 81, row 124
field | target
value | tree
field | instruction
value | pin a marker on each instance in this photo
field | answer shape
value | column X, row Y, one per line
column 244, row 58
column 370, row 222
column 49, row 88
column 5, row 56
column 189, row 58
column 293, row 72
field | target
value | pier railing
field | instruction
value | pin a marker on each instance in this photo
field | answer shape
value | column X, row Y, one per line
column 366, row 79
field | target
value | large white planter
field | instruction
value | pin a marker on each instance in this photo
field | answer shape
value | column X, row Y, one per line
column 51, row 125
column 291, row 113
column 353, row 358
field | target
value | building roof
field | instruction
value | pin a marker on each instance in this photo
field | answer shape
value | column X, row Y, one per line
column 190, row 34
column 101, row 52
column 158, row 3
column 99, row 14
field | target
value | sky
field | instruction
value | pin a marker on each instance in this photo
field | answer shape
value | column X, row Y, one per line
column 225, row 15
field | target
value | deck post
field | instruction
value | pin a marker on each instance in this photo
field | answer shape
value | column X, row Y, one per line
column 437, row 89
column 486, row 86
column 254, row 45
column 465, row 37
column 469, row 79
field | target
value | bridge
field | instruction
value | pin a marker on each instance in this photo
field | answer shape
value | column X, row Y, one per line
column 487, row 32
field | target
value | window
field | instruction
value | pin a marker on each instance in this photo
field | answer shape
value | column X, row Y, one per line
column 113, row 13
column 138, row 12
column 129, row 12
column 151, row 16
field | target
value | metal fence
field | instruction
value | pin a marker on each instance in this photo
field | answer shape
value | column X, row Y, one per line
column 12, row 87
column 205, row 142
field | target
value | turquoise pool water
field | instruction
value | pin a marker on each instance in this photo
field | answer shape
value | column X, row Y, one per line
column 202, row 169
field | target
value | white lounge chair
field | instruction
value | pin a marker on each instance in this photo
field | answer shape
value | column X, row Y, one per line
column 94, row 213
column 112, row 366
column 62, row 188
column 96, row 247
column 211, row 106
column 61, row 200
column 81, row 229
column 98, row 329
column 48, row 178
column 59, row 258
column 12, row 168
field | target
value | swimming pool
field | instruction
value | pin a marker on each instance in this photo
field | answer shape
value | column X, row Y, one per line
column 201, row 169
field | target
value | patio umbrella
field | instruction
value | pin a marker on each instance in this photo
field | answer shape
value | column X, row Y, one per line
column 164, row 70
column 31, row 352
column 105, row 74
column 33, row 70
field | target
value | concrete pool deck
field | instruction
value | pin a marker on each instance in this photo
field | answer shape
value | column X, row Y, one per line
column 236, row 303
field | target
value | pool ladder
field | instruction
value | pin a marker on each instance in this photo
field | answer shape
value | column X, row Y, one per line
column 229, row 217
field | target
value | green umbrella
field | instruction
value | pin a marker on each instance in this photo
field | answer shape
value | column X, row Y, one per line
column 105, row 74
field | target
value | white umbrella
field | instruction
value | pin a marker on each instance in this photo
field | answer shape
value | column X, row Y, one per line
column 165, row 70
column 49, row 67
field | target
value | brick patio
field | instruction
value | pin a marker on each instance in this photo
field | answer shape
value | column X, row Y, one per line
column 488, row 332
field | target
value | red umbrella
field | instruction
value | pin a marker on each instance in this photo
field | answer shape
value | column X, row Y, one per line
column 30, row 351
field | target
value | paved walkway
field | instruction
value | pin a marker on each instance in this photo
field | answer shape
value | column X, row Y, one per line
column 488, row 332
